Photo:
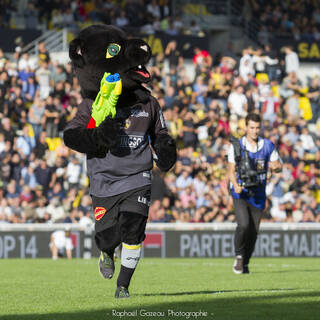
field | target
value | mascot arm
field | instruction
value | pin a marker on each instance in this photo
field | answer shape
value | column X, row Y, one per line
column 166, row 152
column 93, row 141
column 163, row 144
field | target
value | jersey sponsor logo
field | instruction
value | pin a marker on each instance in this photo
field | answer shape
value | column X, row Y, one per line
column 144, row 201
column 131, row 141
column 99, row 212
column 138, row 113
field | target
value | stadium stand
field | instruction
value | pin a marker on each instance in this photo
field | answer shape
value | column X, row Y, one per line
column 294, row 19
column 43, row 181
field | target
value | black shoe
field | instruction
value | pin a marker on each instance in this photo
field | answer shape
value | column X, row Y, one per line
column 122, row 292
column 246, row 269
column 106, row 265
column 238, row 265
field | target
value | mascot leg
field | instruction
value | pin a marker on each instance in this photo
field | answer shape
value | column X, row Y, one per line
column 132, row 230
column 107, row 240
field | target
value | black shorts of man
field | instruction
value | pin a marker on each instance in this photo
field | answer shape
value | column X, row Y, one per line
column 249, row 159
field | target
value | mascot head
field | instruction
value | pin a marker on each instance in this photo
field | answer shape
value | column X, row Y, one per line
column 101, row 48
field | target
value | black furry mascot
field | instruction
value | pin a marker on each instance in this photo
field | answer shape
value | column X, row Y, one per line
column 116, row 131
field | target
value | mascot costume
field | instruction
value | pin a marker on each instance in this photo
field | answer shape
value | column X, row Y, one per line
column 117, row 125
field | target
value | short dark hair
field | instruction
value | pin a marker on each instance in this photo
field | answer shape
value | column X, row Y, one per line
column 253, row 117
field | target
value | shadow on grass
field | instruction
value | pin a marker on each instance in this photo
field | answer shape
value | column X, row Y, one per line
column 187, row 293
column 288, row 306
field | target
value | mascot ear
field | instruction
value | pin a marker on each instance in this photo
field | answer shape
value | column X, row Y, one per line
column 75, row 53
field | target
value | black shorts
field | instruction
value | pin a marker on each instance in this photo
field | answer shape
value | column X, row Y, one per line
column 107, row 209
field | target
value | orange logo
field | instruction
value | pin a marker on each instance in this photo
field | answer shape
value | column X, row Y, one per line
column 99, row 212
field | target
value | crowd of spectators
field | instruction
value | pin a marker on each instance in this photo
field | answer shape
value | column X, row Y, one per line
column 43, row 181
column 294, row 19
column 40, row 179
column 202, row 112
column 147, row 16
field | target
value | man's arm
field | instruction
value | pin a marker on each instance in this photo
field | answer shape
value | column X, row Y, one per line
column 232, row 170
column 233, row 177
column 275, row 166
column 275, row 163
column 92, row 141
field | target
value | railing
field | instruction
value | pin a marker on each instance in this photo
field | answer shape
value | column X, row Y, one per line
column 202, row 7
column 55, row 41
column 249, row 24
column 217, row 14
column 178, row 226
column 208, row 14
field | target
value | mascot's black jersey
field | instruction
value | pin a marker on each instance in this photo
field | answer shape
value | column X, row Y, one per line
column 128, row 165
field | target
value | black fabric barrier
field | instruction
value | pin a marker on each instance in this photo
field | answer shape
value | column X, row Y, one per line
column 8, row 36
column 307, row 50
column 34, row 244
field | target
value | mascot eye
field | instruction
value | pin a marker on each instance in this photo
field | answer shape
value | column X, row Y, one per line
column 112, row 50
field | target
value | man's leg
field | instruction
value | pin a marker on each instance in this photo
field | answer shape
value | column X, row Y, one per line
column 107, row 240
column 54, row 251
column 132, row 229
column 69, row 253
column 255, row 217
column 241, row 234
column 107, row 230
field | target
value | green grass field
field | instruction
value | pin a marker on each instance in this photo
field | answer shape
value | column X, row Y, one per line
column 276, row 289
